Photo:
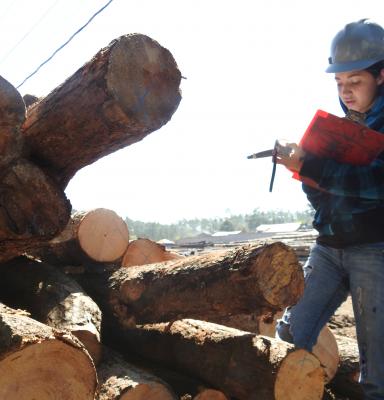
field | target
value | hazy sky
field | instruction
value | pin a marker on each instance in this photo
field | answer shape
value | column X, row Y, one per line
column 255, row 73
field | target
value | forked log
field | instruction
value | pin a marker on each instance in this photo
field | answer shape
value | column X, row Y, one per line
column 144, row 251
column 120, row 380
column 38, row 362
column 240, row 364
column 99, row 235
column 129, row 89
column 251, row 278
column 52, row 298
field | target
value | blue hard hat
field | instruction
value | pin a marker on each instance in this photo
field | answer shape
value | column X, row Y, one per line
column 358, row 46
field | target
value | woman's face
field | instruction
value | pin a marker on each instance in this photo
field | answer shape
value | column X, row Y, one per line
column 358, row 89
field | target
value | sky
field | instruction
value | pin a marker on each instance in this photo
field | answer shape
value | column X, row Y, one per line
column 254, row 73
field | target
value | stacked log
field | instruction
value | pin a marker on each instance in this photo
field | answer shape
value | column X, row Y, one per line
column 143, row 251
column 156, row 305
column 241, row 364
column 39, row 362
column 119, row 379
column 128, row 90
column 52, row 298
column 96, row 236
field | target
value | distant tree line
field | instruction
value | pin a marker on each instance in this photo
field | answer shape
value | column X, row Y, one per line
column 189, row 228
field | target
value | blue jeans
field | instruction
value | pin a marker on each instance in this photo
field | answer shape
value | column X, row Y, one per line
column 330, row 275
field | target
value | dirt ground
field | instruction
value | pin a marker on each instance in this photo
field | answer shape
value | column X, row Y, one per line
column 343, row 322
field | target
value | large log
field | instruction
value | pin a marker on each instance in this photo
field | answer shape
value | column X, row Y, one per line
column 38, row 362
column 121, row 380
column 240, row 364
column 98, row 235
column 251, row 278
column 52, row 298
column 128, row 90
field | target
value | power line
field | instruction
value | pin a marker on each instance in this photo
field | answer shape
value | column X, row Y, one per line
column 28, row 33
column 63, row 45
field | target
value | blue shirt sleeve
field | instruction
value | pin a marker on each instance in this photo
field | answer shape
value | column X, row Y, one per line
column 344, row 179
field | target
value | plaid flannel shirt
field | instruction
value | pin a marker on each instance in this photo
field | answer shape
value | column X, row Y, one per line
column 350, row 206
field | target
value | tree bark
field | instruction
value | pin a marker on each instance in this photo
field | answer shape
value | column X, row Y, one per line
column 98, row 235
column 38, row 362
column 128, row 90
column 325, row 349
column 12, row 116
column 240, row 364
column 251, row 278
column 144, row 251
column 121, row 380
column 32, row 209
column 53, row 299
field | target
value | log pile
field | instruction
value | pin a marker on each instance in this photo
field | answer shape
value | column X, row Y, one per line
column 86, row 313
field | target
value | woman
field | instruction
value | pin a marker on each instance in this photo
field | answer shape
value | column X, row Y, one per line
column 348, row 257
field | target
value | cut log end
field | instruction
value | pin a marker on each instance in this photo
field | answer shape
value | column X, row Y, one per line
column 28, row 373
column 145, row 251
column 103, row 235
column 280, row 274
column 210, row 394
column 153, row 75
column 147, row 392
column 300, row 377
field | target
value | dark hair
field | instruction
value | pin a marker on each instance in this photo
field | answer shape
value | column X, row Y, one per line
column 375, row 69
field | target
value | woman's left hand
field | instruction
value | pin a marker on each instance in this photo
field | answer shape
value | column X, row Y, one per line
column 290, row 155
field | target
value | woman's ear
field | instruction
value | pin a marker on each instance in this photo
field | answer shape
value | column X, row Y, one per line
column 380, row 78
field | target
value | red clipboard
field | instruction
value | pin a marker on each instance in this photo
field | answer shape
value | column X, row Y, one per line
column 343, row 140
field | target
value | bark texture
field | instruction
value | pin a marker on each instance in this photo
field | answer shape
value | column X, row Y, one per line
column 128, row 90
column 260, row 278
column 53, row 299
column 119, row 379
column 240, row 364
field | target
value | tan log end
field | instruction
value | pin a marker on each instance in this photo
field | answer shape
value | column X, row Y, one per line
column 144, row 251
column 91, row 342
column 280, row 275
column 210, row 394
column 300, row 377
column 326, row 348
column 103, row 235
column 48, row 370
column 151, row 93
column 327, row 351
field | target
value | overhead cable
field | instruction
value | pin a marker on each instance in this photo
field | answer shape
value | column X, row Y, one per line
column 63, row 45
column 28, row 33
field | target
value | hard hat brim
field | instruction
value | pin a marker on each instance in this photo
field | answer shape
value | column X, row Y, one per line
column 351, row 66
